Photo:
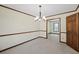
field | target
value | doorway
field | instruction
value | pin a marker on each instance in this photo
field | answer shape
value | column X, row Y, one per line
column 53, row 28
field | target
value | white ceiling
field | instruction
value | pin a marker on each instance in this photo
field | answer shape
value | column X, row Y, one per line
column 47, row 9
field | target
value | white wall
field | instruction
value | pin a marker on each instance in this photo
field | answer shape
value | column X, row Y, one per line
column 15, row 22
column 63, row 23
column 12, row 22
column 42, row 27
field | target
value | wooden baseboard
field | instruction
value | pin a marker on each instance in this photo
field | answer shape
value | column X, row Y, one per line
column 62, row 42
column 42, row 37
column 21, row 43
column 54, row 33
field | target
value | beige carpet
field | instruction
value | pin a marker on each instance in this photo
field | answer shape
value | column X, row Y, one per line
column 42, row 46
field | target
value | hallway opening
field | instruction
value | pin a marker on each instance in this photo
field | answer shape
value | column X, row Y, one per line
column 53, row 28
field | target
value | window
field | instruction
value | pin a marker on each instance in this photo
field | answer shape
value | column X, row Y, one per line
column 55, row 27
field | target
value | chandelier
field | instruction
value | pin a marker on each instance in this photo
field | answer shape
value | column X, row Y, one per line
column 40, row 17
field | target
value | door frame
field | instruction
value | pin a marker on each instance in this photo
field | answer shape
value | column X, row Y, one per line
column 59, row 27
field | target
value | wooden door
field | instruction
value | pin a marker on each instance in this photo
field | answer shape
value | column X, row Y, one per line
column 75, row 31
column 69, row 31
column 78, row 30
column 72, row 31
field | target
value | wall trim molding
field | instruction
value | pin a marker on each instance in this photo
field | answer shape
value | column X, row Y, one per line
column 54, row 33
column 42, row 37
column 53, row 19
column 16, row 10
column 42, row 30
column 64, row 12
column 63, row 32
column 34, row 16
column 21, row 43
column 62, row 42
column 21, row 33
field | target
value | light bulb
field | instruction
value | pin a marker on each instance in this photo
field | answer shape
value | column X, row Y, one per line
column 39, row 19
column 44, row 17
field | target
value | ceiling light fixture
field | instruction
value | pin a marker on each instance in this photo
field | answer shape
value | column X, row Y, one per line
column 40, row 17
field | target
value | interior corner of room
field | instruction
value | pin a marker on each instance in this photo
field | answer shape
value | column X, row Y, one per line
column 17, row 25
